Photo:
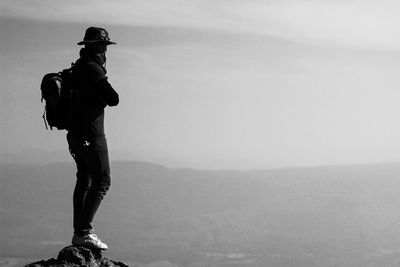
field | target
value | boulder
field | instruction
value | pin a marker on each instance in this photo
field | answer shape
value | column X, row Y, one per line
column 77, row 256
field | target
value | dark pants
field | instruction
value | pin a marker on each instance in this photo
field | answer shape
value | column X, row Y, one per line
column 93, row 180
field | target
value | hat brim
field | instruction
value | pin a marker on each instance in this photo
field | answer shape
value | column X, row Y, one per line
column 96, row 41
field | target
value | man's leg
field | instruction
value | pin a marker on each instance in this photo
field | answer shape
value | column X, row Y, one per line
column 83, row 179
column 82, row 187
column 99, row 169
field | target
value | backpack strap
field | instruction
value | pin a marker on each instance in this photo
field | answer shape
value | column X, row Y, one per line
column 44, row 118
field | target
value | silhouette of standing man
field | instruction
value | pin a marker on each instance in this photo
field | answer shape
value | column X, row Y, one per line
column 87, row 141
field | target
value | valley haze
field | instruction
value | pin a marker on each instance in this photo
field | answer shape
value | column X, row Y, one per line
column 159, row 216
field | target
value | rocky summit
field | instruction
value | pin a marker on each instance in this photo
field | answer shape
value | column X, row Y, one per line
column 74, row 256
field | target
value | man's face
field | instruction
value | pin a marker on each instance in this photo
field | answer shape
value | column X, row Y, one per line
column 99, row 51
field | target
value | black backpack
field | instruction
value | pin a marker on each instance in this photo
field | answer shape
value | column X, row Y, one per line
column 61, row 100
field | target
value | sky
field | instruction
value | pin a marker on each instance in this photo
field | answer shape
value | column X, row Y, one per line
column 217, row 84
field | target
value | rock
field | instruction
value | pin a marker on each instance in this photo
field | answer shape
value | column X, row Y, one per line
column 76, row 256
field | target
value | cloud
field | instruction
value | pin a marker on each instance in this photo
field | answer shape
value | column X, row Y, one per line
column 365, row 24
column 352, row 23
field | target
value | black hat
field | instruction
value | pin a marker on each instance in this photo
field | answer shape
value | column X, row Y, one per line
column 96, row 35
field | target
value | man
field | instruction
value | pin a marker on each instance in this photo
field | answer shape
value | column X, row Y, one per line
column 86, row 140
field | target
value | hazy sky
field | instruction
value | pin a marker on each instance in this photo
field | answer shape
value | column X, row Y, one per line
column 218, row 84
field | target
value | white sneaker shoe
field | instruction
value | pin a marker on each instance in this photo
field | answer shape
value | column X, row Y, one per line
column 89, row 240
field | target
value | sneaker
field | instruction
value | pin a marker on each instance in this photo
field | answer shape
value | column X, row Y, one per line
column 89, row 240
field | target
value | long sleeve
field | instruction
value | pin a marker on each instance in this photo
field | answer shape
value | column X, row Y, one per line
column 109, row 95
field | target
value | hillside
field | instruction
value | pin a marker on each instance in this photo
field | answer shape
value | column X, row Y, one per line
column 326, row 216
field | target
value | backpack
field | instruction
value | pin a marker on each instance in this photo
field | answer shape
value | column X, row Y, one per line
column 61, row 100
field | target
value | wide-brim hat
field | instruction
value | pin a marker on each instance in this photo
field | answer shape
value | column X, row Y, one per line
column 96, row 35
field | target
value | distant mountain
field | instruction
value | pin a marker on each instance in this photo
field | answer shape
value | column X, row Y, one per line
column 325, row 216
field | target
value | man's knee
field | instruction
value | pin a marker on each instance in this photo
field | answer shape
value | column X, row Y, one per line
column 83, row 180
column 102, row 183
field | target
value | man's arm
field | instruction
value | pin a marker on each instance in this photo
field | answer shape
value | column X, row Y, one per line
column 109, row 94
column 102, row 87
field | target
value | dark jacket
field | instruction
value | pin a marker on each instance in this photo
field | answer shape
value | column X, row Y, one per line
column 95, row 93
